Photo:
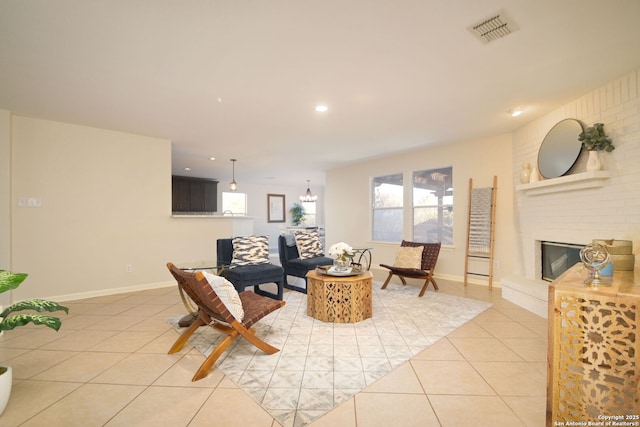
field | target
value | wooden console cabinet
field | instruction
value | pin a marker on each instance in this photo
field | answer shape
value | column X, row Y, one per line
column 593, row 371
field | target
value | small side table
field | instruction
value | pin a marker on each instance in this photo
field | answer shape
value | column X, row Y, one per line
column 339, row 299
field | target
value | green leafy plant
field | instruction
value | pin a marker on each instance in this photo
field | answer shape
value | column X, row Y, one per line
column 12, row 316
column 297, row 214
column 595, row 139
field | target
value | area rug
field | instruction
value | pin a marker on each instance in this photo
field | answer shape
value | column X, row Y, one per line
column 320, row 365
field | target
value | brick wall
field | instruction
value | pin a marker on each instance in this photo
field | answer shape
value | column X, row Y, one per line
column 578, row 216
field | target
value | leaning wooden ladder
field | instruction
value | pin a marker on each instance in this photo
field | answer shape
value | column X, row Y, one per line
column 481, row 229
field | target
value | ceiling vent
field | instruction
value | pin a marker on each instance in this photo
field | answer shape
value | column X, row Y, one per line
column 493, row 28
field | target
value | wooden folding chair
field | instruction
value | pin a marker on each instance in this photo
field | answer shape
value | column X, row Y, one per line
column 428, row 264
column 212, row 312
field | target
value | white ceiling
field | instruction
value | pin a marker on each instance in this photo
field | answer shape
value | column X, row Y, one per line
column 240, row 78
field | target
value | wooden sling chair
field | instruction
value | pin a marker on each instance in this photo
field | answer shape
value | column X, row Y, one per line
column 213, row 312
column 430, row 254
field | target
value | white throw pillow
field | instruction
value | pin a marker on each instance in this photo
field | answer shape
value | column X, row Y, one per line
column 409, row 257
column 227, row 294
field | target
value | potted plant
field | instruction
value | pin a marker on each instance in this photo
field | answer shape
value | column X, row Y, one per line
column 297, row 214
column 595, row 139
column 14, row 316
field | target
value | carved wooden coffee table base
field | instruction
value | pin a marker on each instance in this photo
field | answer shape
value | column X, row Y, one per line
column 339, row 299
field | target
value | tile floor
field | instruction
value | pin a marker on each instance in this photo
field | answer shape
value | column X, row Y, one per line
column 108, row 366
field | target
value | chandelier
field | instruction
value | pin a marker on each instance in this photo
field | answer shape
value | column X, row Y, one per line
column 308, row 197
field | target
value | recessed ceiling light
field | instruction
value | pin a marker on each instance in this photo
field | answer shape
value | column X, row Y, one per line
column 187, row 169
column 321, row 108
column 515, row 112
column 212, row 158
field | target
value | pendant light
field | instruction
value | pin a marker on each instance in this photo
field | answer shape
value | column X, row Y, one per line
column 308, row 197
column 234, row 185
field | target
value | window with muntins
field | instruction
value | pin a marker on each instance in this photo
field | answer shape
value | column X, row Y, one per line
column 433, row 206
column 388, row 207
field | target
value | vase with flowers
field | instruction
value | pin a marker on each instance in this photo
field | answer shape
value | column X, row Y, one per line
column 342, row 254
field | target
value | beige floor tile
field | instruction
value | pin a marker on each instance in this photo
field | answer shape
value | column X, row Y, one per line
column 161, row 406
column 81, row 367
column 530, row 349
column 22, row 404
column 183, row 370
column 126, row 342
column 403, row 379
column 398, row 410
column 33, row 362
column 136, row 369
column 163, row 343
column 477, row 411
column 450, row 377
column 530, row 410
column 513, row 378
column 484, row 349
column 491, row 315
column 78, row 340
column 29, row 338
column 440, row 350
column 508, row 329
column 89, row 405
column 231, row 407
column 83, row 321
column 470, row 330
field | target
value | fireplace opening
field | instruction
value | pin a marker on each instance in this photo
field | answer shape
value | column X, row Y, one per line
column 557, row 258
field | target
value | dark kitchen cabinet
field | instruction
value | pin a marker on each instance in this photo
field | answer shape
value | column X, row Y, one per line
column 193, row 194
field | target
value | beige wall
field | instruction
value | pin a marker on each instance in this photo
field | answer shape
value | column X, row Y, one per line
column 348, row 200
column 5, row 189
column 105, row 202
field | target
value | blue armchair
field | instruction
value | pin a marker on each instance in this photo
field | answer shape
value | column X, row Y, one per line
column 243, row 276
column 293, row 265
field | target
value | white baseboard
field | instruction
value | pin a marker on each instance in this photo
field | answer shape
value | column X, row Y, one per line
column 112, row 291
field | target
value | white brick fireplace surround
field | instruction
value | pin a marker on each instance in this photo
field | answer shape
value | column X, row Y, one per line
column 581, row 206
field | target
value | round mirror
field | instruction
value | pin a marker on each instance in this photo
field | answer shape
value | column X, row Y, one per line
column 560, row 148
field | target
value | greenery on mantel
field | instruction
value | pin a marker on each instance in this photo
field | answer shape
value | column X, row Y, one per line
column 595, row 139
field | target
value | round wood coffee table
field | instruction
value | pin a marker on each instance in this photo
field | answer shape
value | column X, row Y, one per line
column 339, row 299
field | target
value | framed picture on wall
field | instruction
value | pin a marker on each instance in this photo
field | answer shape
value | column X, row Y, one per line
column 275, row 208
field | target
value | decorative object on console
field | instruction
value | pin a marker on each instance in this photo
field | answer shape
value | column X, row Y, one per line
column 342, row 254
column 595, row 139
column 595, row 257
column 621, row 252
column 525, row 175
column 534, row 176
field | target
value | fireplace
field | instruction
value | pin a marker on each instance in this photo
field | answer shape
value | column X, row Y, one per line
column 558, row 257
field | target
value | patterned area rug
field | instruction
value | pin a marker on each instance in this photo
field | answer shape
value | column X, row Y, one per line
column 320, row 365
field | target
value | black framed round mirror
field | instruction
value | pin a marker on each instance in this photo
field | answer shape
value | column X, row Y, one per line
column 560, row 148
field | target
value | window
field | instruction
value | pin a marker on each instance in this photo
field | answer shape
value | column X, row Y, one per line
column 309, row 213
column 433, row 206
column 234, row 203
column 387, row 208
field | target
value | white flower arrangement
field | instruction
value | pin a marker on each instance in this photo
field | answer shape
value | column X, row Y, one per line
column 341, row 251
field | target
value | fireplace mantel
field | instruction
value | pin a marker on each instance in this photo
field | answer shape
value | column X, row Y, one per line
column 578, row 181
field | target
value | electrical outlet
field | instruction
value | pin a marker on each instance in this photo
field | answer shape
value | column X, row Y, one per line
column 128, row 268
